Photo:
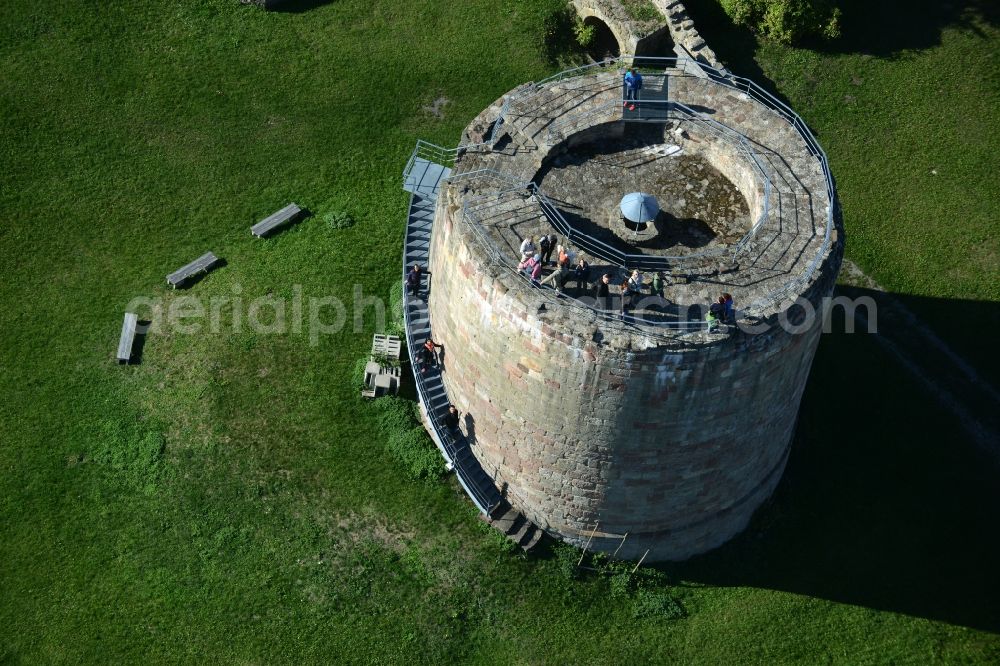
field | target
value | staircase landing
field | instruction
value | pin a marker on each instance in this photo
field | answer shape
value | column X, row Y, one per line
column 425, row 177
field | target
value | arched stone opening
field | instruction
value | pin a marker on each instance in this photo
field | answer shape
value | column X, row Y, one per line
column 604, row 44
column 658, row 44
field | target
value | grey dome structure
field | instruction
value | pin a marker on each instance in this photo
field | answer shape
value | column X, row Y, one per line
column 639, row 207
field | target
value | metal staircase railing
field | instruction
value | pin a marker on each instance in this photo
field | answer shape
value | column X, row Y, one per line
column 429, row 386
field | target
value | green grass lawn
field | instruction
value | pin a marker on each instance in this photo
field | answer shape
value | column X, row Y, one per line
column 229, row 499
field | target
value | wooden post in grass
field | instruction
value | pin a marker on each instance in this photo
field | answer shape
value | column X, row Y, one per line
column 592, row 532
column 639, row 563
column 619, row 546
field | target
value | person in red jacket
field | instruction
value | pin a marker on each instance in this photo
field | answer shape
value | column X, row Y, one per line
column 428, row 357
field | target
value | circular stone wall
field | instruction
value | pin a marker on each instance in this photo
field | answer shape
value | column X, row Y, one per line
column 593, row 426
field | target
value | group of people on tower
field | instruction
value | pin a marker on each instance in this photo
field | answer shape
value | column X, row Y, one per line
column 537, row 253
column 569, row 268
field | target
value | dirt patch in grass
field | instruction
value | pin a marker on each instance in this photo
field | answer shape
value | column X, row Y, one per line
column 436, row 108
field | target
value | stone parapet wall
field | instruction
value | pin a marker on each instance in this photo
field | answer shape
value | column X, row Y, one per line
column 799, row 203
column 724, row 155
column 687, row 41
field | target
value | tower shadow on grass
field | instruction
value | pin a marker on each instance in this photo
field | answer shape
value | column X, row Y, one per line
column 890, row 27
column 883, row 29
column 295, row 6
column 885, row 503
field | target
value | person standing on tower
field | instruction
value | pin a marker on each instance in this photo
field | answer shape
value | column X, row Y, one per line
column 603, row 291
column 635, row 282
column 627, row 298
column 553, row 245
column 528, row 248
column 633, row 84
column 561, row 274
column 657, row 285
column 581, row 273
column 545, row 249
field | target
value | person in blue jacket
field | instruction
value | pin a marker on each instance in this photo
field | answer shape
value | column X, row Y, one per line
column 633, row 84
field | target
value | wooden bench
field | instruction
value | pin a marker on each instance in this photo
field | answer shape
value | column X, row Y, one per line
column 284, row 216
column 202, row 264
column 386, row 345
column 127, row 338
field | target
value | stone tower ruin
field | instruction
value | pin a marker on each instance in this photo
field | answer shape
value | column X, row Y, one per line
column 650, row 431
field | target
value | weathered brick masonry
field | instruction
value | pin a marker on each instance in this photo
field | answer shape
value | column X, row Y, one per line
column 674, row 444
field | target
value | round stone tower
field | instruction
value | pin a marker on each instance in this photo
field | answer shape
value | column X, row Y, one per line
column 648, row 430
